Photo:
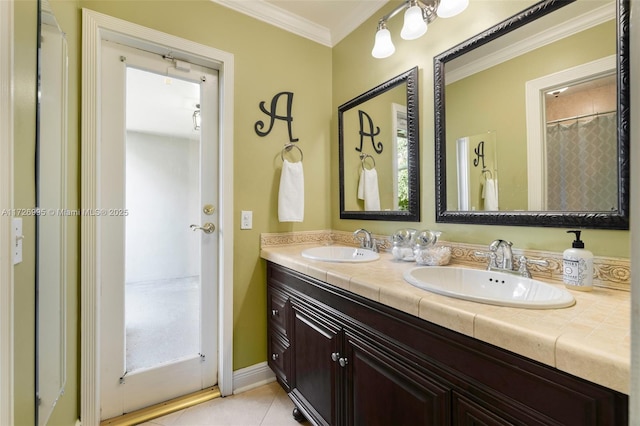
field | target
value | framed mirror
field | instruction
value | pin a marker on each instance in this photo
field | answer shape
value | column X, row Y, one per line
column 532, row 120
column 378, row 152
column 51, row 200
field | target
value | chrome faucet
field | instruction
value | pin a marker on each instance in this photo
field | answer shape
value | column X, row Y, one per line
column 366, row 240
column 504, row 263
column 507, row 254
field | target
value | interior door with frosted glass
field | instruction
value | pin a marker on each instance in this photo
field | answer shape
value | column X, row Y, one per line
column 158, row 244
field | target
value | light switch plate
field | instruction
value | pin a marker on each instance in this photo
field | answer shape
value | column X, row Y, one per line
column 246, row 219
column 16, row 226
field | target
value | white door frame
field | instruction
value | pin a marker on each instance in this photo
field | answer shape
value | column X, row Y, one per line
column 95, row 28
column 6, row 202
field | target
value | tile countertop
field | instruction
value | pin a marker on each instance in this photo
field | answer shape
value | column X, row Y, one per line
column 590, row 340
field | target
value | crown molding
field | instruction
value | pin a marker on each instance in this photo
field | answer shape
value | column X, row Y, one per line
column 565, row 29
column 281, row 18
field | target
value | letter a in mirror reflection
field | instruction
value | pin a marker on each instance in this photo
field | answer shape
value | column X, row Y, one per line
column 371, row 132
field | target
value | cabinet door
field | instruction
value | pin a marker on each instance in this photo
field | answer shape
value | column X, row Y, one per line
column 279, row 358
column 315, row 382
column 278, row 311
column 384, row 388
column 468, row 413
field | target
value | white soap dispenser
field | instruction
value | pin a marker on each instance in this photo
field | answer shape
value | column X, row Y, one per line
column 577, row 266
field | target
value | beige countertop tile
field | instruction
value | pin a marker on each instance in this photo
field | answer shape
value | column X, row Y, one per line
column 590, row 340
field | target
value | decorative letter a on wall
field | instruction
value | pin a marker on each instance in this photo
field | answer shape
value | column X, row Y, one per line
column 274, row 115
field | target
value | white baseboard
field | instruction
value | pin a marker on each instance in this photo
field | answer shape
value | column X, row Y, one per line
column 252, row 377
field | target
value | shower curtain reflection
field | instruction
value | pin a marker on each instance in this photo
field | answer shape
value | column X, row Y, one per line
column 579, row 155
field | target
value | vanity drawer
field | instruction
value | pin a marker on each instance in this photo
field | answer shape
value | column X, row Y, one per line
column 278, row 311
column 279, row 358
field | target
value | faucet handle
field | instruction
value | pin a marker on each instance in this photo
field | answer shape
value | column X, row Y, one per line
column 481, row 254
column 525, row 262
column 493, row 258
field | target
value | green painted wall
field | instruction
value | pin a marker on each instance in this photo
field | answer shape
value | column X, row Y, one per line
column 267, row 61
column 356, row 71
column 25, row 30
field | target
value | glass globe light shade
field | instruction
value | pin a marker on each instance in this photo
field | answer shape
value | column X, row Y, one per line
column 383, row 46
column 449, row 8
column 414, row 24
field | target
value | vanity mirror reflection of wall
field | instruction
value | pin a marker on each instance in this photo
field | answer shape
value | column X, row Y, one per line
column 378, row 152
column 500, row 79
column 51, row 227
column 477, row 179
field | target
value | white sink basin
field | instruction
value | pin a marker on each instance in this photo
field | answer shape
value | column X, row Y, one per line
column 495, row 288
column 340, row 254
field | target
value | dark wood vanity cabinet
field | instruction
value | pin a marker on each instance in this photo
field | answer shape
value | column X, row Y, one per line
column 346, row 360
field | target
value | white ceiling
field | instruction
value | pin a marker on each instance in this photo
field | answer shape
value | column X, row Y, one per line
column 324, row 21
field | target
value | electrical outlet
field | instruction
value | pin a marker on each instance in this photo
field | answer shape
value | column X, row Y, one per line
column 246, row 219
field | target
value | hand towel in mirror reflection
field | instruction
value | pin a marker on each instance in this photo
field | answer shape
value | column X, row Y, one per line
column 368, row 189
column 490, row 195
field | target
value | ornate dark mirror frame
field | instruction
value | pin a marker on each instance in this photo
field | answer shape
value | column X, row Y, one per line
column 603, row 220
column 412, row 214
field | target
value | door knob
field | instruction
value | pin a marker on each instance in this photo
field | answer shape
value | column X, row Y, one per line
column 207, row 228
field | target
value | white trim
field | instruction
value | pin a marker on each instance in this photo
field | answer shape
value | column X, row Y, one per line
column 534, row 95
column 6, row 202
column 95, row 28
column 251, row 377
column 532, row 42
column 281, row 18
column 395, row 110
column 462, row 159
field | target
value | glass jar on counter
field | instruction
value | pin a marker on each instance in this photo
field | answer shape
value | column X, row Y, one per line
column 402, row 241
column 427, row 253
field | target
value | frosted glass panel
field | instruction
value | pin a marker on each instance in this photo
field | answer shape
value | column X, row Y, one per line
column 162, row 269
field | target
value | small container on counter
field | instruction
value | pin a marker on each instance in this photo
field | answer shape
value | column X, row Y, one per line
column 402, row 241
column 577, row 265
column 427, row 253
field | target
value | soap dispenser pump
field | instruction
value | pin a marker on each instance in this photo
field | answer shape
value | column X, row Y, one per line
column 577, row 265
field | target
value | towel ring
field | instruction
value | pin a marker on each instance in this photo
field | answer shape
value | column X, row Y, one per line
column 487, row 171
column 288, row 147
column 363, row 158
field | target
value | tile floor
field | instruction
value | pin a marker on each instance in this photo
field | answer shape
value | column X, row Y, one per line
column 265, row 405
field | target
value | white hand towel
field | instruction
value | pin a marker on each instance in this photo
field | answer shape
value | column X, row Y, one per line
column 490, row 195
column 368, row 189
column 291, row 193
column 361, row 185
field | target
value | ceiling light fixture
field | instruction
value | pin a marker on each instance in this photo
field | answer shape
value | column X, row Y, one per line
column 416, row 17
column 556, row 92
